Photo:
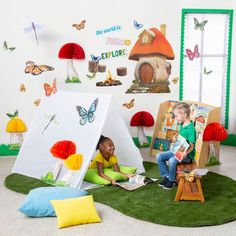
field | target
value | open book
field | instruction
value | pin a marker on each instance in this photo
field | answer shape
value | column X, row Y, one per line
column 136, row 182
column 180, row 147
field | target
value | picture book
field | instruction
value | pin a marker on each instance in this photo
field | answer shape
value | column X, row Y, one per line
column 162, row 144
column 179, row 147
column 171, row 133
column 136, row 182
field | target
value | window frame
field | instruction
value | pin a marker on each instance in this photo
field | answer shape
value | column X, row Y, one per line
column 209, row 11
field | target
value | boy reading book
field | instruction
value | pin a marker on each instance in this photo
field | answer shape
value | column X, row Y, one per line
column 182, row 115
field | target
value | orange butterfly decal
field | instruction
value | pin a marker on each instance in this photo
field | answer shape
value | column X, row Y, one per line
column 34, row 69
column 129, row 104
column 50, row 89
column 80, row 26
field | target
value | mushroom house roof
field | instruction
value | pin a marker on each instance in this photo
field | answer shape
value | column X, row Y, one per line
column 158, row 46
column 71, row 51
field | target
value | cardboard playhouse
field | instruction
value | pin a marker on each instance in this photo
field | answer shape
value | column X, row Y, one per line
column 166, row 126
column 74, row 121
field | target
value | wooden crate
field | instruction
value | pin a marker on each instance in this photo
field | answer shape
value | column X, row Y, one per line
column 202, row 148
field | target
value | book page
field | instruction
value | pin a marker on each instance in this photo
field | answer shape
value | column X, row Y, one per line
column 136, row 182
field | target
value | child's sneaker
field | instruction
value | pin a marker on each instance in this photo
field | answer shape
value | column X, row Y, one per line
column 163, row 182
column 169, row 184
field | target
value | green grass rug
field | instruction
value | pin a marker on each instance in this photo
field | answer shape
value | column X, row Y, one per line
column 154, row 204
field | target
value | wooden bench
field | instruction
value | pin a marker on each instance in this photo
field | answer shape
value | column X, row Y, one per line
column 188, row 190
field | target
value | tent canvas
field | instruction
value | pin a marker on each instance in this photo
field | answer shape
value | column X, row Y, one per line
column 58, row 119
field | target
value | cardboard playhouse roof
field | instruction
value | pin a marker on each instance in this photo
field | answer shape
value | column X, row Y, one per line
column 80, row 118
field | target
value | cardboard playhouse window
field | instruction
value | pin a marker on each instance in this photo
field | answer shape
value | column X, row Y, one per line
column 77, row 121
column 166, row 127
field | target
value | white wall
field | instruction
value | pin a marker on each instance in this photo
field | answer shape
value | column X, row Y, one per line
column 57, row 18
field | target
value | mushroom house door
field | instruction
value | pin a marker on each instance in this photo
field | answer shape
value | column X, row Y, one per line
column 146, row 72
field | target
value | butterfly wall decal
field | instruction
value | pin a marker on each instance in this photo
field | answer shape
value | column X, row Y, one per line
column 50, row 89
column 129, row 104
column 7, row 48
column 195, row 54
column 37, row 102
column 87, row 115
column 80, row 26
column 95, row 58
column 198, row 25
column 137, row 25
column 175, row 80
column 92, row 76
column 205, row 72
column 34, row 69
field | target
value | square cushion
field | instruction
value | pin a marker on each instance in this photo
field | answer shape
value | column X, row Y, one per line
column 75, row 211
column 37, row 203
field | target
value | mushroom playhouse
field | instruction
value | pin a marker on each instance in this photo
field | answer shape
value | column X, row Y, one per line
column 71, row 52
column 151, row 51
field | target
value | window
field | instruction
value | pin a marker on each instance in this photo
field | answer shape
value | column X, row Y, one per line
column 205, row 57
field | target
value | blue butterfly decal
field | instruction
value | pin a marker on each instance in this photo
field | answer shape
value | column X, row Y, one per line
column 137, row 25
column 94, row 58
column 87, row 115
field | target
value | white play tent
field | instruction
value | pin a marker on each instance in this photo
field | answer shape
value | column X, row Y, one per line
column 58, row 119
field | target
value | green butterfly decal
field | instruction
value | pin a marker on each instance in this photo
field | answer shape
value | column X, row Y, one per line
column 92, row 76
column 198, row 25
column 12, row 115
column 205, row 72
column 7, row 48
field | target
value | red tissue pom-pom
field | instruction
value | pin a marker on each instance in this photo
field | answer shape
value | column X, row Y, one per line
column 71, row 51
column 63, row 149
column 142, row 118
column 214, row 132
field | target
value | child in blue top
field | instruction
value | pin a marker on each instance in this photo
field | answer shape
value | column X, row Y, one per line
column 182, row 114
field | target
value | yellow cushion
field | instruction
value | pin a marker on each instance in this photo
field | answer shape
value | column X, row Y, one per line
column 75, row 211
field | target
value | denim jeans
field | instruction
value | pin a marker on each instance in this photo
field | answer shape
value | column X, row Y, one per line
column 170, row 172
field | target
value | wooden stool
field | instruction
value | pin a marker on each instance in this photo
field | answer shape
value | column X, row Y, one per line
column 189, row 190
column 180, row 168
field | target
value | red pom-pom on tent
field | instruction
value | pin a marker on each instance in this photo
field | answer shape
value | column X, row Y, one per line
column 71, row 51
column 63, row 149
